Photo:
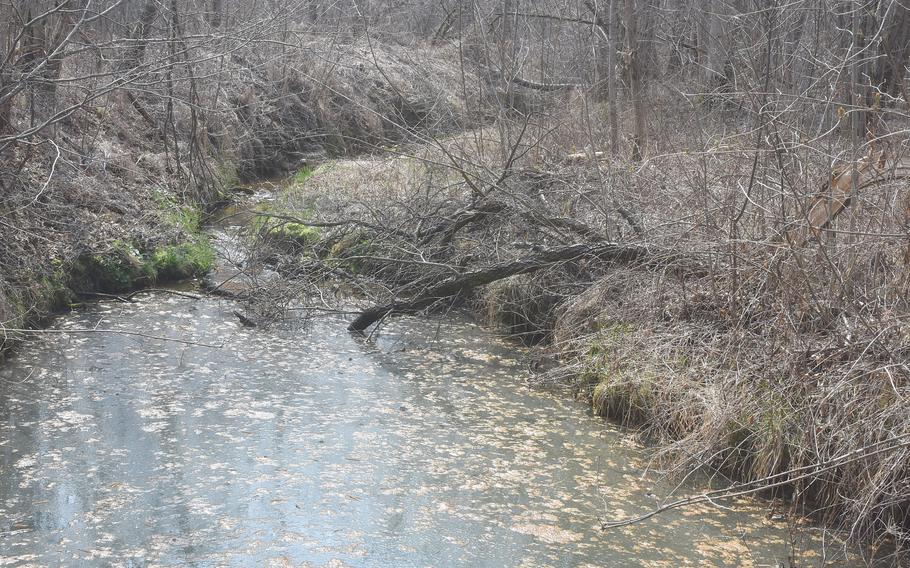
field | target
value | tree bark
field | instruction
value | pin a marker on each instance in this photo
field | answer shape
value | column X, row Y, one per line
column 215, row 15
column 134, row 56
column 613, row 32
column 606, row 64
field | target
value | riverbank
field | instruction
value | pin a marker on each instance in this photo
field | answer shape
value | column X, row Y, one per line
column 674, row 297
column 91, row 233
column 821, row 424
column 112, row 195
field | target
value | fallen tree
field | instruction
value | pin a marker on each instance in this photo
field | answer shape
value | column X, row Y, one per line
column 463, row 283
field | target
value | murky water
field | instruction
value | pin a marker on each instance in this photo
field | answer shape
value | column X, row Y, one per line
column 311, row 447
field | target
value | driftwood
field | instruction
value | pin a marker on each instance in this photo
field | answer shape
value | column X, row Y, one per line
column 463, row 283
column 837, row 193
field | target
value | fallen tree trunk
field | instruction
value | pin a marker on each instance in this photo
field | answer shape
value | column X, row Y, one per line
column 463, row 283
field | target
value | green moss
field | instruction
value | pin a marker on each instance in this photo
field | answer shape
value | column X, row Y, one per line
column 53, row 294
column 124, row 267
column 296, row 233
column 116, row 270
column 186, row 260
column 288, row 233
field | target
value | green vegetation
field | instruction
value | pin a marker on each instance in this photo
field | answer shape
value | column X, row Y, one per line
column 618, row 398
column 179, row 215
column 618, row 393
column 226, row 174
column 128, row 264
column 750, row 435
column 185, row 260
column 283, row 232
column 295, row 233
column 354, row 244
column 125, row 267
column 304, row 174
column 117, row 270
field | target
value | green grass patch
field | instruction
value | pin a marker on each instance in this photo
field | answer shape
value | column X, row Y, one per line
column 628, row 400
column 179, row 215
column 185, row 260
column 226, row 174
column 304, row 174
column 307, row 172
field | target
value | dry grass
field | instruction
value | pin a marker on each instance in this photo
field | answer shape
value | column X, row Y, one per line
column 771, row 358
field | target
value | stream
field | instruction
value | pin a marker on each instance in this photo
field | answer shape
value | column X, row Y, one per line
column 302, row 445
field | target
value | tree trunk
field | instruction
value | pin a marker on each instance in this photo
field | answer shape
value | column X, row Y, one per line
column 215, row 15
column 858, row 116
column 608, row 31
column 135, row 54
column 894, row 50
column 639, row 138
column 613, row 32
column 140, row 37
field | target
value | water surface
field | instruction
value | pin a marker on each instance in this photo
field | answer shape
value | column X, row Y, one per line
column 305, row 446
